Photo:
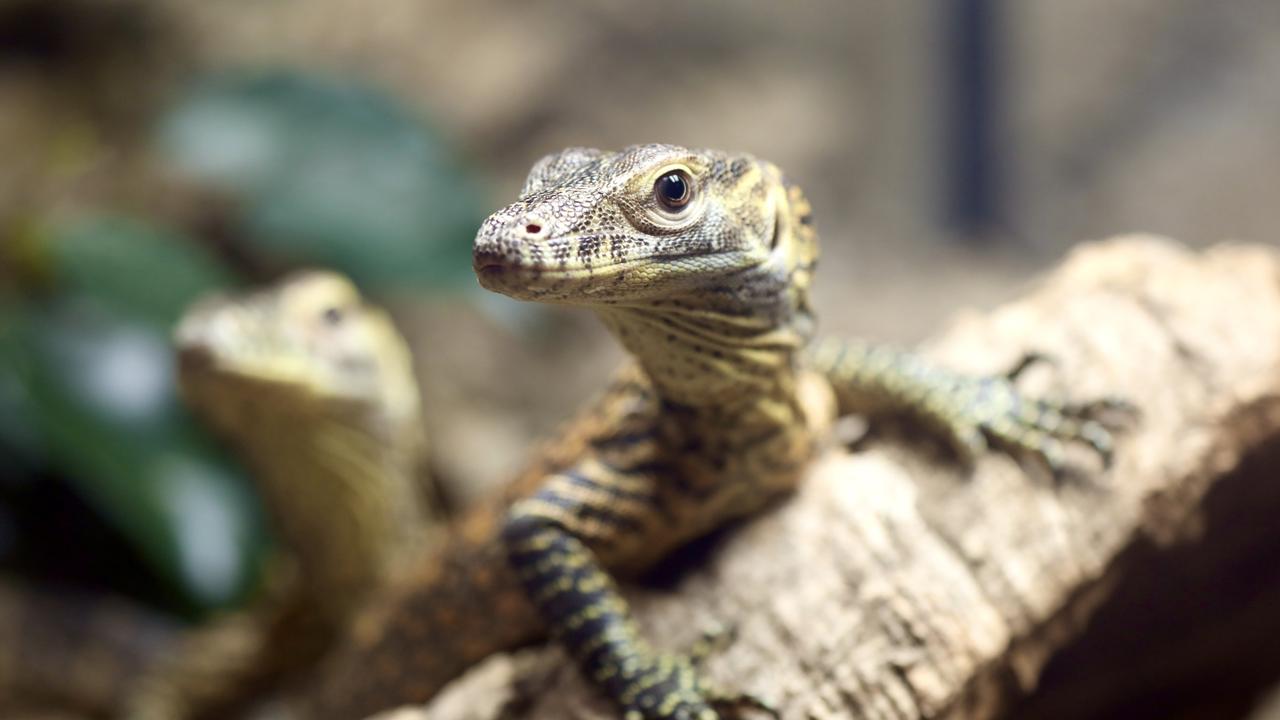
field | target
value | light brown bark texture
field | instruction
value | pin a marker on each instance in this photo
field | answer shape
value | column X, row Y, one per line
column 896, row 584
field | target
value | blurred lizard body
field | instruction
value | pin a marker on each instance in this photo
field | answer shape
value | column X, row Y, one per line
column 314, row 388
column 700, row 262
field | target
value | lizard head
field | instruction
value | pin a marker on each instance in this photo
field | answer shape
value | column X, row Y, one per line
column 307, row 346
column 650, row 223
column 314, row 387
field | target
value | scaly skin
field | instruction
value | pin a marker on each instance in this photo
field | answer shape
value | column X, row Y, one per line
column 314, row 388
column 720, row 412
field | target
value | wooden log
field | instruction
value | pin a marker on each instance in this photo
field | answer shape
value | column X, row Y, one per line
column 896, row 585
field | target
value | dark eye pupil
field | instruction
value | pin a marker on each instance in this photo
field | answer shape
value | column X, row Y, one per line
column 673, row 190
column 332, row 316
column 673, row 187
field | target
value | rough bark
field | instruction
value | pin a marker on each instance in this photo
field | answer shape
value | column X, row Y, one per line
column 896, row 585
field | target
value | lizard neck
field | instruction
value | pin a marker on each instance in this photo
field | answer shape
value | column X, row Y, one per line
column 712, row 362
column 341, row 490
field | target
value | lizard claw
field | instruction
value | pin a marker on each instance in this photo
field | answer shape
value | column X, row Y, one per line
column 733, row 705
column 1058, row 414
column 1107, row 406
column 977, row 410
column 1028, row 359
column 715, row 639
column 727, row 704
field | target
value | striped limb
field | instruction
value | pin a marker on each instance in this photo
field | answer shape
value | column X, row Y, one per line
column 968, row 410
column 549, row 539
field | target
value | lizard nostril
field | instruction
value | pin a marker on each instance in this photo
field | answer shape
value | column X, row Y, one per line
column 533, row 226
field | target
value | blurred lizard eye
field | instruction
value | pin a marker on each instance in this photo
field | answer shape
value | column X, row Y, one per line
column 674, row 190
column 332, row 315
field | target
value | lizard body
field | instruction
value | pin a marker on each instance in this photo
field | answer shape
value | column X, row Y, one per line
column 700, row 263
column 314, row 388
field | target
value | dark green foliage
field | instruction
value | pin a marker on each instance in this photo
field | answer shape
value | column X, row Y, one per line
column 87, row 393
column 331, row 173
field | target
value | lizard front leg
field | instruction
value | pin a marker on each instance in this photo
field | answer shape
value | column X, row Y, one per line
column 556, row 540
column 968, row 409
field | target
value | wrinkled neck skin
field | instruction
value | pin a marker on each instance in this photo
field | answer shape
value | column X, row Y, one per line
column 340, row 486
column 709, row 362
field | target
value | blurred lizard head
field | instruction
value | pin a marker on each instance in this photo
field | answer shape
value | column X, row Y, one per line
column 315, row 388
column 651, row 224
column 307, row 346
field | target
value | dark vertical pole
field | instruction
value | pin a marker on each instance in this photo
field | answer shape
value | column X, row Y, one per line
column 971, row 117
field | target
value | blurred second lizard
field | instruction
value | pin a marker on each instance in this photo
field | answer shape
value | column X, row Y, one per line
column 314, row 388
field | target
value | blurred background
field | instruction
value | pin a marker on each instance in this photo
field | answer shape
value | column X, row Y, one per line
column 152, row 150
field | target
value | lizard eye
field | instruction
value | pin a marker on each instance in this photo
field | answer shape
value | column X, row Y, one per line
column 332, row 315
column 674, row 190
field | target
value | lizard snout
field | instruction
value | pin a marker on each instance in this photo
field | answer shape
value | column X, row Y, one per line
column 506, row 241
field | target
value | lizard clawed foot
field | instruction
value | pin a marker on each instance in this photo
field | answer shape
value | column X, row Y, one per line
column 975, row 411
column 716, row 639
column 1103, row 408
column 671, row 687
column 732, row 705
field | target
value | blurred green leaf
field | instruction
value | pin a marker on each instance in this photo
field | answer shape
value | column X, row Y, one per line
column 331, row 172
column 144, row 272
column 96, row 393
column 87, row 386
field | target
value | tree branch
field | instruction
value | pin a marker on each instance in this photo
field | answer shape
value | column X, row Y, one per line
column 895, row 585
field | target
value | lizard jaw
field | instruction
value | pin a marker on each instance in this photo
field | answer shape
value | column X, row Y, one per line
column 502, row 268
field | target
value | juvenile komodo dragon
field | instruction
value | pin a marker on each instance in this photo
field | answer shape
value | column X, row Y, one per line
column 700, row 263
column 314, row 388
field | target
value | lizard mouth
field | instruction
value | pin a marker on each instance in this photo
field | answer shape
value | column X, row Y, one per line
column 512, row 280
column 493, row 258
column 505, row 273
column 490, row 269
column 497, row 276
